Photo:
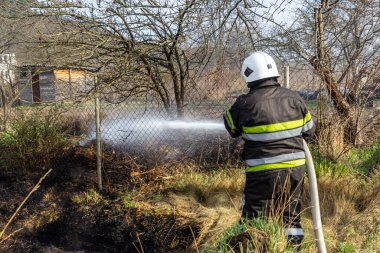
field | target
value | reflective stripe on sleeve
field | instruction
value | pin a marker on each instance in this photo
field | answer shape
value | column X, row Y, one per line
column 231, row 123
column 309, row 125
column 279, row 165
column 273, row 136
column 275, row 159
column 294, row 231
column 307, row 117
column 227, row 120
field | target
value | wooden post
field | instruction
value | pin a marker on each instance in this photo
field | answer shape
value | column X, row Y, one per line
column 3, row 101
column 70, row 84
column 36, row 88
column 286, row 79
column 98, row 135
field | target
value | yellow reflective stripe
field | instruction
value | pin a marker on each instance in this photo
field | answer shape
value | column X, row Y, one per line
column 277, row 126
column 273, row 127
column 307, row 117
column 280, row 165
column 231, row 121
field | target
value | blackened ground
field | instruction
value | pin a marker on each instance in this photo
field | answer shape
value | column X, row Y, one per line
column 210, row 150
column 101, row 230
column 54, row 222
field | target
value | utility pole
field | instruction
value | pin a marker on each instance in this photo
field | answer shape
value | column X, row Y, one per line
column 286, row 70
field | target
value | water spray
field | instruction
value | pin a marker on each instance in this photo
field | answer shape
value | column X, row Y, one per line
column 315, row 209
column 120, row 131
column 201, row 125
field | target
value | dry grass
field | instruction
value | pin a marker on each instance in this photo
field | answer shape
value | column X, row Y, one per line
column 349, row 207
column 350, row 214
column 212, row 197
column 330, row 137
column 191, row 178
column 209, row 201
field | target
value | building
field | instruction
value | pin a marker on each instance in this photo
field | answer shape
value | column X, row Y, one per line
column 36, row 83
column 41, row 83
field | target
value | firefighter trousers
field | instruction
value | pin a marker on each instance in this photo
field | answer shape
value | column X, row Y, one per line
column 276, row 193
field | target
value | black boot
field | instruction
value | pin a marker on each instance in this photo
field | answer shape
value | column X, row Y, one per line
column 295, row 242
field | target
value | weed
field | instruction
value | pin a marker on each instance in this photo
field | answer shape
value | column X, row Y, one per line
column 89, row 197
column 327, row 167
column 365, row 160
column 158, row 197
column 257, row 235
column 360, row 161
column 344, row 247
column 128, row 201
column 222, row 245
column 31, row 143
column 93, row 196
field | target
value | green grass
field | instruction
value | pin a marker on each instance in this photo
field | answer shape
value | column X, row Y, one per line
column 327, row 167
column 364, row 160
column 359, row 161
column 344, row 247
column 257, row 235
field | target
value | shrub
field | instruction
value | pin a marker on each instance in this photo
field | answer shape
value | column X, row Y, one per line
column 32, row 142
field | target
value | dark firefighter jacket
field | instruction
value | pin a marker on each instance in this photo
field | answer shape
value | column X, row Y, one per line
column 272, row 121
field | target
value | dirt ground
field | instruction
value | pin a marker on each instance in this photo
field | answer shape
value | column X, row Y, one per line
column 67, row 214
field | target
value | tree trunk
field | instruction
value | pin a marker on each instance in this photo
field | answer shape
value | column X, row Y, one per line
column 4, row 107
column 178, row 87
column 351, row 130
column 322, row 65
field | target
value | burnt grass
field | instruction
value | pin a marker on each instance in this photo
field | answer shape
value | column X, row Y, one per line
column 53, row 222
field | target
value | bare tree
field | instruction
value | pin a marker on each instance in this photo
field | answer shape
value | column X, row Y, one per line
column 145, row 46
column 11, row 33
column 341, row 41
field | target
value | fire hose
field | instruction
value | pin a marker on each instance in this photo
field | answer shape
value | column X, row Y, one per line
column 315, row 209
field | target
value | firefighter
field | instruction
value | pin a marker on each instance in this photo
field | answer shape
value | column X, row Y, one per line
column 272, row 121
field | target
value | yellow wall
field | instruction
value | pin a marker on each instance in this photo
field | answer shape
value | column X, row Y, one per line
column 63, row 75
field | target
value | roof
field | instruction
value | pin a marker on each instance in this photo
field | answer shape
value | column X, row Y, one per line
column 52, row 67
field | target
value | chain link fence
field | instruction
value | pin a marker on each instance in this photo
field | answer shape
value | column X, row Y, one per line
column 141, row 125
column 132, row 123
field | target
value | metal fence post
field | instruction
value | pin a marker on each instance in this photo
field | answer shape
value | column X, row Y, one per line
column 286, row 79
column 98, row 135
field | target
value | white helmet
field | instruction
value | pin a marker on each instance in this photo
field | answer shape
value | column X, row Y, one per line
column 258, row 65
